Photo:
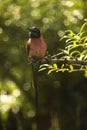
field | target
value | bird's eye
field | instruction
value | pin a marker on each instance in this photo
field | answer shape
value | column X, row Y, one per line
column 34, row 32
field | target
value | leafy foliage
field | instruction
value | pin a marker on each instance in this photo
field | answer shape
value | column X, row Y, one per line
column 75, row 50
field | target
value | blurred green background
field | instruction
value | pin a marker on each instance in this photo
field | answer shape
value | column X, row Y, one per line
column 62, row 96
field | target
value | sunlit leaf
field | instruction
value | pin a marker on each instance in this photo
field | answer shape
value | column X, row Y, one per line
column 68, row 41
column 50, row 71
column 55, row 66
column 43, row 65
column 85, row 40
column 83, row 26
column 71, row 67
column 75, row 53
column 64, row 51
column 81, row 34
column 62, row 66
column 64, row 37
column 44, row 68
column 50, row 66
column 70, row 32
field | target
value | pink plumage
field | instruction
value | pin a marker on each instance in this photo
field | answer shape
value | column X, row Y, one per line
column 36, row 47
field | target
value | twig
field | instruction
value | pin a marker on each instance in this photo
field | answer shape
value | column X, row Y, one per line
column 70, row 61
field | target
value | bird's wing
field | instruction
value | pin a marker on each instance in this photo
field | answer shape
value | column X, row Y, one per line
column 27, row 49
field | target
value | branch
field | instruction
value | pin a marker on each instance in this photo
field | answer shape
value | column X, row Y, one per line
column 66, row 61
column 57, row 58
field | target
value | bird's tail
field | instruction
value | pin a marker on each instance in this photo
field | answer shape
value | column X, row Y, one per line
column 35, row 66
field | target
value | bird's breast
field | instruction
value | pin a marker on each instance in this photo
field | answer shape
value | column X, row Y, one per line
column 37, row 48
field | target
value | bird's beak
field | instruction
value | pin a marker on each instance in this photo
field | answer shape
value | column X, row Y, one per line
column 29, row 29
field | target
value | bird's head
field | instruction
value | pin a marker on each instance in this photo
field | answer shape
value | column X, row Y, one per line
column 34, row 32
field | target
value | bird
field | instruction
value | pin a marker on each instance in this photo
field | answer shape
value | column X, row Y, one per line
column 36, row 48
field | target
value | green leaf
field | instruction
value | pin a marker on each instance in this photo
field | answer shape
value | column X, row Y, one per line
column 64, row 37
column 70, row 42
column 50, row 71
column 80, row 34
column 62, row 66
column 43, row 65
column 65, row 51
column 75, row 53
column 55, row 66
column 83, row 26
column 71, row 67
column 70, row 32
column 44, row 68
column 85, row 40
column 50, row 67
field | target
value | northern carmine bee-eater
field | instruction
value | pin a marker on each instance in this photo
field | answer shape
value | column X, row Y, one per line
column 36, row 50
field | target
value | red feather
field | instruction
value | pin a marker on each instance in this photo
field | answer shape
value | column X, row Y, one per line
column 36, row 47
